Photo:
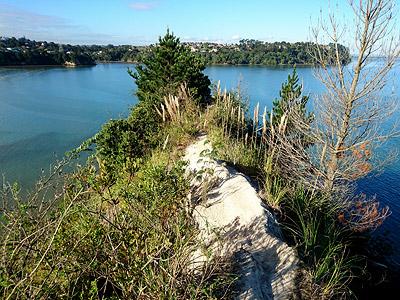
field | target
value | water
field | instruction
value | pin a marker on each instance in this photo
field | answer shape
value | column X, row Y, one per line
column 45, row 112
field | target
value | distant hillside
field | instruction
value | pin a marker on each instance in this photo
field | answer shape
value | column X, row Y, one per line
column 253, row 52
column 26, row 52
column 23, row 51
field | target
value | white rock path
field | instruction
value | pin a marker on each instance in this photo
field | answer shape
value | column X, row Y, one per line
column 233, row 223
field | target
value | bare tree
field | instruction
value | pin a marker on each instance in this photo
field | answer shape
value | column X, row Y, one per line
column 349, row 116
column 353, row 109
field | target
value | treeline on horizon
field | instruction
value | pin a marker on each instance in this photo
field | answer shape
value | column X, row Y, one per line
column 23, row 51
column 254, row 52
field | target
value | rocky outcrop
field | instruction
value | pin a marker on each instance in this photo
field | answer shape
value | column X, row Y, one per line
column 70, row 64
column 234, row 224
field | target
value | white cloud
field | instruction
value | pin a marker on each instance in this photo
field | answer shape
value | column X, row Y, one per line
column 143, row 5
column 235, row 37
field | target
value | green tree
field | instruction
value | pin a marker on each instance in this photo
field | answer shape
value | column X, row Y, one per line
column 291, row 98
column 166, row 67
column 120, row 143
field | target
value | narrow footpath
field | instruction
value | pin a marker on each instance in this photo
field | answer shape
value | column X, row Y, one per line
column 235, row 224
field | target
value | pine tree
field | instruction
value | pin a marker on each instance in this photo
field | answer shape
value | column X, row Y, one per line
column 166, row 67
column 291, row 98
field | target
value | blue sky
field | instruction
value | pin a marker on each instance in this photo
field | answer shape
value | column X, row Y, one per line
column 142, row 21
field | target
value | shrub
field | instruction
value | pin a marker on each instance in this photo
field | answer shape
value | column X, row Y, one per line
column 131, row 240
column 121, row 144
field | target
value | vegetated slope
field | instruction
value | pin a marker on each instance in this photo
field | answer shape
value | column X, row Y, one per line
column 118, row 227
column 23, row 51
column 253, row 52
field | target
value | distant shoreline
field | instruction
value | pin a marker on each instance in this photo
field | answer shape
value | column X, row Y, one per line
column 225, row 64
column 264, row 65
column 130, row 63
column 46, row 66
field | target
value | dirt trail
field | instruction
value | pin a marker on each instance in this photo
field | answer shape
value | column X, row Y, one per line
column 234, row 223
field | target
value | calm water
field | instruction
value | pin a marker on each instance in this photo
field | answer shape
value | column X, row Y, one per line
column 45, row 112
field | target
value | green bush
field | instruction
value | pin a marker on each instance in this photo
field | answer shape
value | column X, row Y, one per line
column 122, row 144
column 132, row 240
column 117, row 145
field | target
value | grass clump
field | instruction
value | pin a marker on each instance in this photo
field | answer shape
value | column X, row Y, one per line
column 323, row 244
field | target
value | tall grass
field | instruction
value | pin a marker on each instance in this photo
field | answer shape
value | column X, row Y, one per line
column 323, row 244
column 309, row 218
column 245, row 141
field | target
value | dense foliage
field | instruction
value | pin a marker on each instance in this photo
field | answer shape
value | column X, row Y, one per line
column 104, row 242
column 291, row 98
column 167, row 66
column 290, row 95
column 122, row 144
column 23, row 51
column 253, row 52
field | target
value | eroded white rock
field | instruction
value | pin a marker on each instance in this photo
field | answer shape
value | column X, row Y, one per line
column 233, row 223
